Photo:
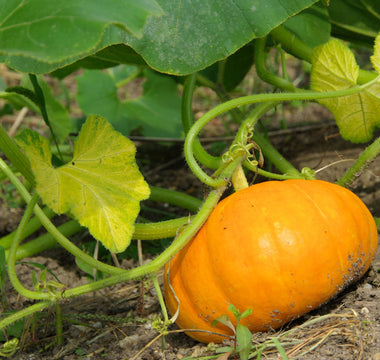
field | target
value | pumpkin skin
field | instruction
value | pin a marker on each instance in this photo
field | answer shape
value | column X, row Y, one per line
column 280, row 248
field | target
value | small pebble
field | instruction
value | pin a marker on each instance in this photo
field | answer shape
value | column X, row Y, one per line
column 129, row 341
column 367, row 286
column 364, row 311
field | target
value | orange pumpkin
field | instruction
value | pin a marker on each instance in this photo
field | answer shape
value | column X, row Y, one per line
column 280, row 248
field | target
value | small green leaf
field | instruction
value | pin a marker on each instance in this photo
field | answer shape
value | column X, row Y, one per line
column 20, row 97
column 223, row 319
column 101, row 187
column 14, row 330
column 235, row 312
column 244, row 340
column 245, row 313
column 335, row 68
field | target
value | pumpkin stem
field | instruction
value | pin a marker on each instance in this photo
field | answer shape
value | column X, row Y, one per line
column 239, row 181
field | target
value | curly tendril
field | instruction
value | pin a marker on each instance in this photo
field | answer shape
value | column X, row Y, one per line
column 243, row 147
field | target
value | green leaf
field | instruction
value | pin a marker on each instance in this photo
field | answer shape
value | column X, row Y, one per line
column 245, row 313
column 89, row 270
column 195, row 34
column 238, row 316
column 59, row 116
column 101, row 187
column 223, row 319
column 52, row 31
column 235, row 312
column 38, row 266
column 334, row 68
column 156, row 113
column 190, row 36
column 110, row 56
column 24, row 95
column 244, row 339
column 18, row 100
column 13, row 330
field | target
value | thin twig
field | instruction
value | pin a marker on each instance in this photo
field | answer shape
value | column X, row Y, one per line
column 19, row 119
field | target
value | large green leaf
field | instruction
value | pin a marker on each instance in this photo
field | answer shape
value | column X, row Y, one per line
column 194, row 34
column 156, row 113
column 101, row 187
column 334, row 68
column 55, row 31
column 190, row 36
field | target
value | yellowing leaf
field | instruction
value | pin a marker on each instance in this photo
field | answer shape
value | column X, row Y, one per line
column 375, row 58
column 101, row 187
column 334, row 69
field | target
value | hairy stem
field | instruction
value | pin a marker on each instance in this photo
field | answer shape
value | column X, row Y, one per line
column 160, row 230
column 15, row 155
column 160, row 298
column 365, row 158
column 267, row 174
column 42, row 105
column 175, row 198
column 12, row 257
column 30, row 310
column 264, row 74
column 200, row 154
